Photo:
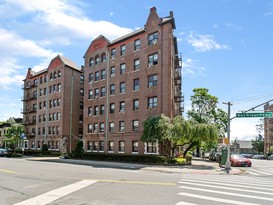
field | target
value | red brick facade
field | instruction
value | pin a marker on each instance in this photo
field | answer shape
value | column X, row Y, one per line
column 146, row 82
column 53, row 105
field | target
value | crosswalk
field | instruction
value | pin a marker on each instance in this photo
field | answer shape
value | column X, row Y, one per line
column 261, row 171
column 225, row 189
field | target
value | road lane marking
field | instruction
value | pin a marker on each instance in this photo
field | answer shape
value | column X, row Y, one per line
column 8, row 171
column 229, row 185
column 216, row 199
column 262, row 172
column 227, row 193
column 136, row 182
column 228, row 188
column 253, row 173
column 55, row 194
column 184, row 203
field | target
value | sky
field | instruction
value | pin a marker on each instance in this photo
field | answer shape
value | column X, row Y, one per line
column 226, row 45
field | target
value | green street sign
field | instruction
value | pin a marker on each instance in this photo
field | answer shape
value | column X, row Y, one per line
column 255, row 114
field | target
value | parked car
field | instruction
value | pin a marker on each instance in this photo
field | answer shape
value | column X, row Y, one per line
column 215, row 156
column 239, row 160
column 4, row 152
column 270, row 157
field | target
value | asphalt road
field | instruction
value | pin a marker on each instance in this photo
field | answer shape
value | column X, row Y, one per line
column 35, row 182
column 73, row 182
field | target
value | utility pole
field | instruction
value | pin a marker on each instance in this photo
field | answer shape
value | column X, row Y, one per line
column 227, row 168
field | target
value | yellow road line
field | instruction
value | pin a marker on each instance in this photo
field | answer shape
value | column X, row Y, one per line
column 8, row 171
column 135, row 182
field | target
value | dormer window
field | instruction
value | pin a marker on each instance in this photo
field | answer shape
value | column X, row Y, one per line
column 103, row 57
column 97, row 59
column 153, row 38
column 91, row 61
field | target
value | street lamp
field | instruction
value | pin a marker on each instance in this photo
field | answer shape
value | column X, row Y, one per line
column 227, row 168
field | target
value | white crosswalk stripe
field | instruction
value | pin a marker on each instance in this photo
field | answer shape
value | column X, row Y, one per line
column 260, row 172
column 211, row 189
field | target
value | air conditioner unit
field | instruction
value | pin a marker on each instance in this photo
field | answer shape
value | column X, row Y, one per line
column 154, row 42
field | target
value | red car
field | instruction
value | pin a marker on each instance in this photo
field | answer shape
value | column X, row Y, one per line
column 239, row 160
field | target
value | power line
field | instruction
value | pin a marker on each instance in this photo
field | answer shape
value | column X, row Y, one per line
column 253, row 98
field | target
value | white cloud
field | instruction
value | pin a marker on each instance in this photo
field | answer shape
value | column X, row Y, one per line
column 9, row 69
column 191, row 68
column 13, row 48
column 68, row 20
column 204, row 43
column 14, row 45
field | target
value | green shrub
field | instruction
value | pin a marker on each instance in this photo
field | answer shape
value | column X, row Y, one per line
column 180, row 160
column 44, row 149
column 188, row 158
column 16, row 155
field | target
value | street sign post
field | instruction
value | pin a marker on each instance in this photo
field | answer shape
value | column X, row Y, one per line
column 254, row 114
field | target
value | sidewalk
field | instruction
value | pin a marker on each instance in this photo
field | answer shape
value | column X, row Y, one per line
column 199, row 165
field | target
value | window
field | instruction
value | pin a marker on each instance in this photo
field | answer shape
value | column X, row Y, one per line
column 96, row 110
column 113, row 53
column 91, row 78
column 50, row 117
column 121, row 126
column 137, row 44
column 81, row 79
column 95, row 127
column 102, row 127
column 103, row 57
column 45, row 79
column 81, row 92
column 122, row 50
column 58, row 132
column 111, row 126
column 51, row 76
column 58, row 116
column 152, row 81
column 81, row 105
column 54, row 88
column 54, row 116
column 112, row 71
column 122, row 68
column 50, row 89
column 102, row 74
column 41, row 80
column 122, row 106
column 152, row 59
column 152, row 102
column 59, row 87
column 89, row 111
column 58, row 102
column 41, row 92
column 97, row 76
column 112, row 108
column 102, row 91
column 55, row 75
column 90, row 94
column 111, row 146
column 89, row 145
column 102, row 109
column 59, row 73
column 96, row 93
column 151, row 147
column 91, row 61
column 112, row 89
column 136, row 84
column 95, row 146
column 101, row 147
column 135, row 125
column 90, row 128
column 81, row 118
column 44, row 91
column 135, row 146
column 136, row 64
column 97, row 60
column 121, row 146
column 153, row 38
column 122, row 87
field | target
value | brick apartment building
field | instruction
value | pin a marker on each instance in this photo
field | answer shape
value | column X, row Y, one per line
column 53, row 105
column 128, row 80
column 268, row 129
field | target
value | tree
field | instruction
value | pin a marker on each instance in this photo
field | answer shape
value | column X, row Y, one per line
column 258, row 144
column 188, row 134
column 205, row 112
column 271, row 149
column 13, row 136
column 157, row 129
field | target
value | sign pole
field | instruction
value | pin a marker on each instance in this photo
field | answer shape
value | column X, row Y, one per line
column 227, row 168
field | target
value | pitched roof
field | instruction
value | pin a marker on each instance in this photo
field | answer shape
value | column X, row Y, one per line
column 68, row 62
